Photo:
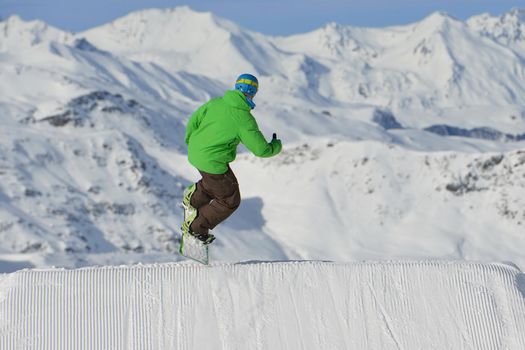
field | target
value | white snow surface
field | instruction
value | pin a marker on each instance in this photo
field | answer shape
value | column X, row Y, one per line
column 93, row 162
column 289, row 305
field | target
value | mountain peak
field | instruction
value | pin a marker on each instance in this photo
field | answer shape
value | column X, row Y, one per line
column 334, row 30
column 333, row 26
column 440, row 14
column 171, row 19
column 438, row 18
column 178, row 11
column 15, row 32
column 11, row 19
column 508, row 28
column 161, row 28
column 516, row 14
column 16, row 21
column 157, row 35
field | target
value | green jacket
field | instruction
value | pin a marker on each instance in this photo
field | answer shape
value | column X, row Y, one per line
column 217, row 127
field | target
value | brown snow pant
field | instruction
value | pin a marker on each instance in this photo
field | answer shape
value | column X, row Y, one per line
column 217, row 196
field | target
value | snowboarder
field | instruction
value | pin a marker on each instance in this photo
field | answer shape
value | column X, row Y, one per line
column 213, row 133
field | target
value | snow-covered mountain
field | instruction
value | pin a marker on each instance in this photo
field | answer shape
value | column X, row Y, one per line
column 399, row 142
column 16, row 34
column 508, row 30
column 181, row 39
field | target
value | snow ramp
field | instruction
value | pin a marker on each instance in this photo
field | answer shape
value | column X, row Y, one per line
column 280, row 305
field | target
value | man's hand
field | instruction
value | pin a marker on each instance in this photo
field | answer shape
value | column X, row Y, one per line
column 276, row 143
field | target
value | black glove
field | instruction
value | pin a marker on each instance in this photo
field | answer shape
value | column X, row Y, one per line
column 276, row 143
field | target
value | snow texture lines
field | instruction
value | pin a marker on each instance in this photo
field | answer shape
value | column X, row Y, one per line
column 288, row 305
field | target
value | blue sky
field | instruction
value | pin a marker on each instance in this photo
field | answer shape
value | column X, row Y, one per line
column 275, row 17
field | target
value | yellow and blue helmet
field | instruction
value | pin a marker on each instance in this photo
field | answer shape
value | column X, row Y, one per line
column 247, row 84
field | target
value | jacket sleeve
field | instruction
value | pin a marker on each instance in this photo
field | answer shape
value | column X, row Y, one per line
column 194, row 122
column 254, row 140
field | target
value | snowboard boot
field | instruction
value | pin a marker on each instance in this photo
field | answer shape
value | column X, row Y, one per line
column 188, row 192
column 206, row 238
column 190, row 214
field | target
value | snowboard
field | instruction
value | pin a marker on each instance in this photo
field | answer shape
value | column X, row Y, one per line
column 193, row 248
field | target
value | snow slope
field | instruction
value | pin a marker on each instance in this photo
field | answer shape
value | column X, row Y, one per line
column 294, row 305
column 370, row 200
column 401, row 142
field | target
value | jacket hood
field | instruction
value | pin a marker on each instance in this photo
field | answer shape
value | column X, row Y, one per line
column 236, row 99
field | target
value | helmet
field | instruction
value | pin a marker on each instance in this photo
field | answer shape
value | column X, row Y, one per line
column 248, row 84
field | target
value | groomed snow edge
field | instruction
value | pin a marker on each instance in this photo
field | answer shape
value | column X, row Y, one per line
column 288, row 305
